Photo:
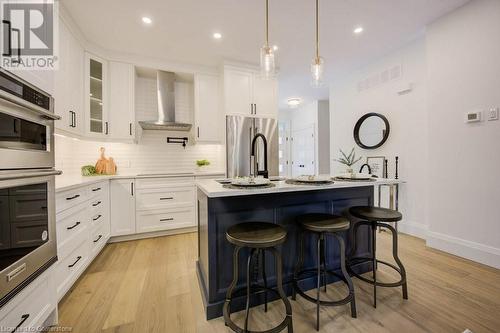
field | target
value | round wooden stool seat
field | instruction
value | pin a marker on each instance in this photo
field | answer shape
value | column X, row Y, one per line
column 256, row 234
column 375, row 214
column 318, row 222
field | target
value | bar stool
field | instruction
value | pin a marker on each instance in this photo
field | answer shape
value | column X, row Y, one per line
column 258, row 237
column 373, row 217
column 322, row 225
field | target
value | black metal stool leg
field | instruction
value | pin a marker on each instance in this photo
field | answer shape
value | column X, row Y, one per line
column 249, row 284
column 320, row 238
column 346, row 275
column 323, row 261
column 300, row 263
column 226, row 310
column 396, row 258
column 264, row 277
column 374, row 263
column 279, row 287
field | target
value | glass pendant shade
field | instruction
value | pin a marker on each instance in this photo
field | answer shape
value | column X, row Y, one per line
column 267, row 62
column 317, row 69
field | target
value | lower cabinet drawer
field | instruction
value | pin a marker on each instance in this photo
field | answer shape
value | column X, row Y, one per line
column 71, row 229
column 70, row 268
column 70, row 198
column 31, row 309
column 157, row 220
column 162, row 198
column 98, row 239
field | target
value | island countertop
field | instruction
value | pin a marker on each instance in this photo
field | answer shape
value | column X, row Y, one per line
column 212, row 189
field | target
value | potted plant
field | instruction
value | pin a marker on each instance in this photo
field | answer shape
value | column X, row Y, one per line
column 348, row 160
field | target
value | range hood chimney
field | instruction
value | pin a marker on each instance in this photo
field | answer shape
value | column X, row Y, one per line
column 165, row 84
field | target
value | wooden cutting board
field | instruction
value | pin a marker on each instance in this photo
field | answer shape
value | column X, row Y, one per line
column 105, row 166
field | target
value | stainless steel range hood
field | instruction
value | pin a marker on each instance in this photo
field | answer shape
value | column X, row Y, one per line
column 166, row 106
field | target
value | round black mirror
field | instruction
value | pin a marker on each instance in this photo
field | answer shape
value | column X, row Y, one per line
column 371, row 131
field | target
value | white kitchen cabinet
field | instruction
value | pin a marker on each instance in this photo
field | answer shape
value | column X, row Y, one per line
column 42, row 79
column 238, row 92
column 121, row 101
column 96, row 99
column 245, row 93
column 265, row 97
column 69, row 83
column 122, row 195
column 206, row 108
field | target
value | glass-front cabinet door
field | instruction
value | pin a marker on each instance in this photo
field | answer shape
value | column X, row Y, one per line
column 96, row 99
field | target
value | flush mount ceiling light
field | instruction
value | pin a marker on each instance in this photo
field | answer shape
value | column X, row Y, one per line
column 294, row 102
column 217, row 35
column 267, row 59
column 317, row 65
column 146, row 20
column 358, row 30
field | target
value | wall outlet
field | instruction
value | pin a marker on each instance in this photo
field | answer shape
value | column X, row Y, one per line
column 493, row 114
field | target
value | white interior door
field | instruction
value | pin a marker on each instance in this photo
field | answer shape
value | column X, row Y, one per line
column 303, row 152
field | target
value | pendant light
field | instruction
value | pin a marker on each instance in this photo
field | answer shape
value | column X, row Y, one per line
column 267, row 60
column 317, row 65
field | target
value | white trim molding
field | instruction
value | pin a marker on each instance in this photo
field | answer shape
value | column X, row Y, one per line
column 416, row 229
column 481, row 253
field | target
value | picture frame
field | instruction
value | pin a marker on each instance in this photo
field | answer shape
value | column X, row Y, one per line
column 377, row 165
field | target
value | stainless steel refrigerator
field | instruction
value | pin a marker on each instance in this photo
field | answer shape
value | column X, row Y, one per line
column 240, row 131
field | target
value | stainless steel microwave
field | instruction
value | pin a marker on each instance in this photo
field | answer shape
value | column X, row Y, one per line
column 26, row 124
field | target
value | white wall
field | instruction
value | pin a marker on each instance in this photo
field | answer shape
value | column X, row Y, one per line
column 463, row 61
column 452, row 193
column 407, row 117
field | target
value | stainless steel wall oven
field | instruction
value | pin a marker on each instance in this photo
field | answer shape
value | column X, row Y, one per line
column 27, row 184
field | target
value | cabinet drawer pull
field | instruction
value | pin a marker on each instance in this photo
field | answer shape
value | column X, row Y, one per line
column 96, row 204
column 97, row 217
column 73, row 197
column 169, row 219
column 24, row 317
column 77, row 260
column 98, row 238
column 96, row 189
column 166, row 198
column 73, row 226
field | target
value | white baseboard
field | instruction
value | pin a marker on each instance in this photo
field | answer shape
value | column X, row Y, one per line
column 483, row 254
column 152, row 234
column 419, row 230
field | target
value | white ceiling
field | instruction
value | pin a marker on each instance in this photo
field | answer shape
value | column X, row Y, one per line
column 182, row 31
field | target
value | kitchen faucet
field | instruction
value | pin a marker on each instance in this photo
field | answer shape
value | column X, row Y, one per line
column 253, row 162
column 363, row 166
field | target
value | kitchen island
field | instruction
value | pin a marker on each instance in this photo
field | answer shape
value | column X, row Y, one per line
column 220, row 207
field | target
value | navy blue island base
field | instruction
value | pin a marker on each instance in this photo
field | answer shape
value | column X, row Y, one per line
column 215, row 215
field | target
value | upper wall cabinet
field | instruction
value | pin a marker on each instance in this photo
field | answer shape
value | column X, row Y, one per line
column 206, row 108
column 96, row 103
column 121, row 119
column 69, row 83
column 246, row 93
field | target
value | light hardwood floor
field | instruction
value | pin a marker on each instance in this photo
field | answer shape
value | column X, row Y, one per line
column 151, row 286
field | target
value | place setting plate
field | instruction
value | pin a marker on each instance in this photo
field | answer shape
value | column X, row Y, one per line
column 249, row 183
column 310, row 180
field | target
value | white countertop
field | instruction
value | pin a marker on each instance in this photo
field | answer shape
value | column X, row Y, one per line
column 67, row 182
column 213, row 189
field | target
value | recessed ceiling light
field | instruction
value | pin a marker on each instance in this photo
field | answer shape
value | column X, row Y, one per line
column 358, row 30
column 275, row 47
column 217, row 35
column 294, row 102
column 147, row 20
